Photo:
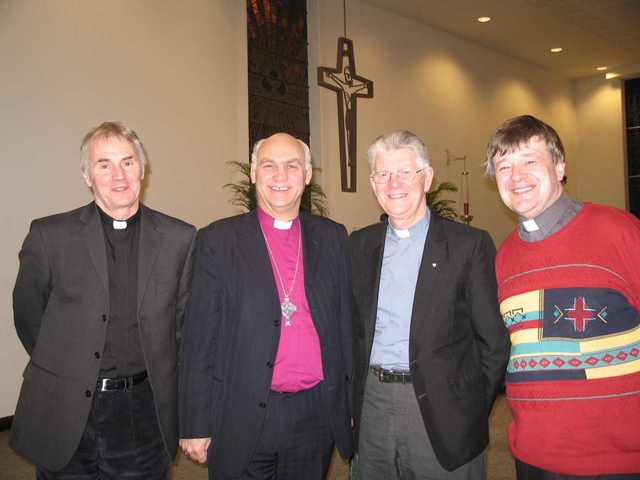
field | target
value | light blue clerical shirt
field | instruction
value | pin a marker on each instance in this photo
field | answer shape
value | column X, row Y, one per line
column 400, row 266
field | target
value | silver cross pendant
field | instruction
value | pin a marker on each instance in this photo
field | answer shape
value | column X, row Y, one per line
column 288, row 309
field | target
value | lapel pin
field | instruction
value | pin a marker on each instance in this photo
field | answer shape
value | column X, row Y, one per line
column 434, row 265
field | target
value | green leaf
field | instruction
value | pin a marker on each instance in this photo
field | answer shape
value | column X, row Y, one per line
column 441, row 206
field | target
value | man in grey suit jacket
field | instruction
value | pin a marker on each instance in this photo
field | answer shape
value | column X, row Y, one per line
column 431, row 349
column 267, row 353
column 98, row 305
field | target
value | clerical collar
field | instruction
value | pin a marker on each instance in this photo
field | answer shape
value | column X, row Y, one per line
column 414, row 229
column 266, row 219
column 530, row 225
column 550, row 221
column 110, row 222
column 280, row 225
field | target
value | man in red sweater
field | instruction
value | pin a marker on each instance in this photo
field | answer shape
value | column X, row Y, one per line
column 569, row 292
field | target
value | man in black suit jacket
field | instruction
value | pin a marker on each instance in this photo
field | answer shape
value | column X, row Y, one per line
column 98, row 304
column 266, row 361
column 431, row 348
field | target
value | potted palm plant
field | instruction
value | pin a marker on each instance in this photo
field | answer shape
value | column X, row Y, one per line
column 442, row 206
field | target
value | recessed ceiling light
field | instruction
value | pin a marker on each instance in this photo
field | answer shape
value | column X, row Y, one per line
column 601, row 68
column 484, row 19
column 556, row 50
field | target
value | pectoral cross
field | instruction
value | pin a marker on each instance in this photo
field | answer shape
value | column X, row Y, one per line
column 348, row 86
column 288, row 309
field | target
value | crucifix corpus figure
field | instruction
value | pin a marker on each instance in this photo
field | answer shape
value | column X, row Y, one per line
column 348, row 86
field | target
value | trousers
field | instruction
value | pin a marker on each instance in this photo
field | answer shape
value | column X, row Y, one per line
column 296, row 442
column 394, row 443
column 122, row 440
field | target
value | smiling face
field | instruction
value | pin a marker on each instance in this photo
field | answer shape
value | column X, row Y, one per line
column 405, row 203
column 280, row 176
column 114, row 173
column 527, row 179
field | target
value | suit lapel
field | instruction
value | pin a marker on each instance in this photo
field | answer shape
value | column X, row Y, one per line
column 433, row 258
column 312, row 251
column 372, row 268
column 92, row 234
column 148, row 250
column 254, row 248
column 312, row 247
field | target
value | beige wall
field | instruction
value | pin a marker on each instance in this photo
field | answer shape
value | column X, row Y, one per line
column 174, row 71
column 449, row 91
column 601, row 138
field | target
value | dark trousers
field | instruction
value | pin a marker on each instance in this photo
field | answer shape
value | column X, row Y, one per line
column 524, row 471
column 394, row 444
column 122, row 440
column 296, row 442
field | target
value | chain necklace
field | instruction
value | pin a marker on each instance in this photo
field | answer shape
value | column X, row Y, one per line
column 287, row 307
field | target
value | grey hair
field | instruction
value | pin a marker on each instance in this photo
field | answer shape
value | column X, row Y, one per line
column 396, row 140
column 305, row 149
column 111, row 130
column 518, row 131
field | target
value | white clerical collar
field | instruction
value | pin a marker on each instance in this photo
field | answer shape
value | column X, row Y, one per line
column 280, row 225
column 417, row 227
column 404, row 233
column 119, row 225
column 530, row 225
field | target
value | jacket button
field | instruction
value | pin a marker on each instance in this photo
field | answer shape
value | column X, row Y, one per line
column 276, row 323
column 361, row 392
column 104, row 318
column 263, row 405
column 269, row 364
column 87, row 393
column 97, row 354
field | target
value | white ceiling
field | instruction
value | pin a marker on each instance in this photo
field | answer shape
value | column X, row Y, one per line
column 592, row 33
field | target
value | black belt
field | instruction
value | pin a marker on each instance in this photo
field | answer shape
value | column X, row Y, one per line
column 389, row 376
column 107, row 384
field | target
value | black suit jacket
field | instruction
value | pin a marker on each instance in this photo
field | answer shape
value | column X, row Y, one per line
column 458, row 345
column 232, row 331
column 61, row 311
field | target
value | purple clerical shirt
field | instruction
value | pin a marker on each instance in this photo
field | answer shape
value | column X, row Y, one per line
column 298, row 363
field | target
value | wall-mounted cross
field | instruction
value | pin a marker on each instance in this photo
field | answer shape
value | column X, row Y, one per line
column 348, row 86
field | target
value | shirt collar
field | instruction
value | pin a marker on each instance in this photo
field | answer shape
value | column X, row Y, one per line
column 267, row 220
column 110, row 222
column 547, row 221
column 416, row 228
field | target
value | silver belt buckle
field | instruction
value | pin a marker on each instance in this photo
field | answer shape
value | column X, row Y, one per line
column 103, row 386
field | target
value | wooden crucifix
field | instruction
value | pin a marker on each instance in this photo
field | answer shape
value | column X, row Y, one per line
column 348, row 87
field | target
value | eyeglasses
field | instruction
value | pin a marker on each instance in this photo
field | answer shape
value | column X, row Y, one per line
column 402, row 175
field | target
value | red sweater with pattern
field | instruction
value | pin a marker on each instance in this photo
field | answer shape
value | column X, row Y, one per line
column 571, row 303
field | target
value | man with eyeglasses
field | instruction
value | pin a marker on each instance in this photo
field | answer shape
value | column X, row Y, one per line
column 431, row 349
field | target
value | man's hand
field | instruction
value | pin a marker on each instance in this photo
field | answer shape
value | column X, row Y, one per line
column 196, row 448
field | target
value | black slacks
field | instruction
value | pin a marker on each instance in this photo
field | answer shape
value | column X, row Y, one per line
column 122, row 440
column 296, row 442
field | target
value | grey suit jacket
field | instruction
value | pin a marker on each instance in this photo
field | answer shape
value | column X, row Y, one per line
column 458, row 345
column 232, row 331
column 61, row 312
